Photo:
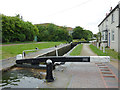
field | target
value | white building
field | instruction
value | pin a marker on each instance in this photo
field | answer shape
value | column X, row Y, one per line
column 70, row 30
column 110, row 29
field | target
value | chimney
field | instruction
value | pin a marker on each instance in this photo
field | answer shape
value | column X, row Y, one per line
column 110, row 9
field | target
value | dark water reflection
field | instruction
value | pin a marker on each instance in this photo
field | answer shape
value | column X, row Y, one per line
column 22, row 77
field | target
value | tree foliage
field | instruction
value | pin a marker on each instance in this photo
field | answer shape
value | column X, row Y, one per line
column 15, row 29
column 52, row 32
column 80, row 33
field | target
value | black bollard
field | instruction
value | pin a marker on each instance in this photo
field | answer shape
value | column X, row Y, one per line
column 36, row 48
column 49, row 75
column 55, row 46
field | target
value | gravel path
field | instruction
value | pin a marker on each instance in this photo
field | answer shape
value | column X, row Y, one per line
column 86, row 51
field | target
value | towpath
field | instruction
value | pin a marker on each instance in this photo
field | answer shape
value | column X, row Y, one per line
column 86, row 51
column 79, row 74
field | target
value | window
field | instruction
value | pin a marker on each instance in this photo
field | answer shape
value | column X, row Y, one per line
column 102, row 35
column 106, row 23
column 112, row 18
column 106, row 36
column 113, row 36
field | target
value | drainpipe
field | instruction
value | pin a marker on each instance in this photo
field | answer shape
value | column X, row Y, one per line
column 119, row 14
column 118, row 26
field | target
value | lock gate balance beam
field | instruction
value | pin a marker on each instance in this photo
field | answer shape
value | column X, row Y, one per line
column 65, row 59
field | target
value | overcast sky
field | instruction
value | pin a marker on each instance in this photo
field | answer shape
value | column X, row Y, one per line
column 71, row 13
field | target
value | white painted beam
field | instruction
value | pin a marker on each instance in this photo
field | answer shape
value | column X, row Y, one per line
column 19, row 56
column 99, row 58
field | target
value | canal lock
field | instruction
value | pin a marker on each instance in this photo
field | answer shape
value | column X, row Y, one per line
column 14, row 76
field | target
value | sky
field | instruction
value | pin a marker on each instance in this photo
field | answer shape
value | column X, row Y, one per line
column 70, row 13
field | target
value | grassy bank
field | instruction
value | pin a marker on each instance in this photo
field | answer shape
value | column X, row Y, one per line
column 108, row 52
column 11, row 51
column 112, row 53
column 97, row 51
column 77, row 50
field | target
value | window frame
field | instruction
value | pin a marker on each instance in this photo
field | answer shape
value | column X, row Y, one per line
column 112, row 18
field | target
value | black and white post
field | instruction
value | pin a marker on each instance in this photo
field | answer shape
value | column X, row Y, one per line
column 56, row 49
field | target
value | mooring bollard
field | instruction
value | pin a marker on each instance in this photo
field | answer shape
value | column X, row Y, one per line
column 49, row 75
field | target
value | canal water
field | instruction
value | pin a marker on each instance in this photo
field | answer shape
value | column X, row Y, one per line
column 23, row 78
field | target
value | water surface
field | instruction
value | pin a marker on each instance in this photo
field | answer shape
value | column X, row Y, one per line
column 23, row 78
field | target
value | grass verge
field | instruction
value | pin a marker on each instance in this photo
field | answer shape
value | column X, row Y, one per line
column 77, row 50
column 11, row 51
column 112, row 53
column 109, row 52
column 97, row 51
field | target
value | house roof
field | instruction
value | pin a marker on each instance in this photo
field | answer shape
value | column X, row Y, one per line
column 109, row 14
column 69, row 28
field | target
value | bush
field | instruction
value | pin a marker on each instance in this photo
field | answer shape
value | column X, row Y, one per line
column 21, row 37
column 15, row 29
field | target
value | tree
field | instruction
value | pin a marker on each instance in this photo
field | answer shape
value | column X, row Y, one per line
column 15, row 29
column 52, row 32
column 79, row 33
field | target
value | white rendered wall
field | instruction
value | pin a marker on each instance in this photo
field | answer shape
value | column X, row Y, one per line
column 107, row 25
